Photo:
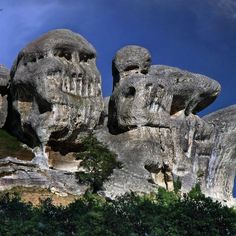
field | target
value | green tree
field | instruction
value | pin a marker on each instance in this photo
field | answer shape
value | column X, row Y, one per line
column 98, row 163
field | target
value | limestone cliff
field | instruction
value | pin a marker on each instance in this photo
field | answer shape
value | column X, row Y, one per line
column 150, row 121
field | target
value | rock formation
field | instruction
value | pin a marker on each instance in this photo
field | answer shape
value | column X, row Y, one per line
column 4, row 82
column 153, row 127
column 150, row 121
column 55, row 92
column 222, row 165
column 16, row 172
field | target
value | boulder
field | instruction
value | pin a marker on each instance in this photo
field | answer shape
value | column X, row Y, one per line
column 151, row 98
column 130, row 60
column 55, row 93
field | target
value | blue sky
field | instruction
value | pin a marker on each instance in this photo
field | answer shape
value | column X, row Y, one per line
column 197, row 35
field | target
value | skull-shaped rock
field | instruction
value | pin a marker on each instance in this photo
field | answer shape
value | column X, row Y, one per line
column 55, row 90
column 4, row 80
column 130, row 60
column 147, row 95
column 139, row 101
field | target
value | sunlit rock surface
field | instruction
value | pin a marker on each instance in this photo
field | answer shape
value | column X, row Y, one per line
column 15, row 173
column 55, row 93
column 154, row 129
column 150, row 121
column 222, row 166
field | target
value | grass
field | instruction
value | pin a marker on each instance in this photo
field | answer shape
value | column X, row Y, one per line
column 10, row 146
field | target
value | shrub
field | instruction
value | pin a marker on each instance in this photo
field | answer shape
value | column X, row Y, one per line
column 158, row 214
column 98, row 163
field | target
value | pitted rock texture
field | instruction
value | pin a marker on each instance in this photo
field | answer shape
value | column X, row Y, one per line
column 16, row 173
column 222, row 165
column 150, row 121
column 139, row 101
column 143, row 152
column 130, row 59
column 55, row 91
column 191, row 92
column 4, row 82
column 154, row 129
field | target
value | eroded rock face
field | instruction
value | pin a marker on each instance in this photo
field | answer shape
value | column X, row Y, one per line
column 149, row 121
column 150, row 98
column 222, row 166
column 129, row 60
column 55, row 91
column 154, row 129
column 139, row 101
column 18, row 173
column 191, row 92
column 4, row 82
column 146, row 154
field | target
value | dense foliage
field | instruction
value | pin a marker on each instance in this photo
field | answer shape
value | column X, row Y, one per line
column 158, row 214
column 98, row 163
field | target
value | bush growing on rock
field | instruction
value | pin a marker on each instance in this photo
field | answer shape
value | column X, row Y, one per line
column 98, row 163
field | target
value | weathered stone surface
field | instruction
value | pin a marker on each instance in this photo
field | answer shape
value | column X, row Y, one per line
column 4, row 78
column 14, row 172
column 139, row 101
column 130, row 60
column 191, row 92
column 4, row 82
column 149, row 121
column 150, row 98
column 222, row 165
column 193, row 140
column 154, row 129
column 55, row 92
column 143, row 152
column 105, row 113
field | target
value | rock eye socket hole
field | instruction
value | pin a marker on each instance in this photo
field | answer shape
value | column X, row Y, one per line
column 63, row 54
column 54, row 72
column 30, row 60
column 130, row 92
column 40, row 57
column 85, row 57
column 131, row 67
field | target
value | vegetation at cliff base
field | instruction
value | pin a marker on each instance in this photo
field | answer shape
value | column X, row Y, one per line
column 98, row 163
column 157, row 214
